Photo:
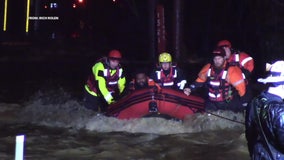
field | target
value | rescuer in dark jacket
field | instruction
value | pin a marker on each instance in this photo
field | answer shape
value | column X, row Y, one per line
column 265, row 117
column 167, row 75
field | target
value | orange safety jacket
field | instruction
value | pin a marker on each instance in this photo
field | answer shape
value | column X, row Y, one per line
column 242, row 59
column 230, row 79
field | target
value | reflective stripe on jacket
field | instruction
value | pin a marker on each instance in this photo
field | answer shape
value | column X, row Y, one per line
column 167, row 80
column 242, row 60
column 219, row 89
column 105, row 81
column 233, row 77
column 173, row 79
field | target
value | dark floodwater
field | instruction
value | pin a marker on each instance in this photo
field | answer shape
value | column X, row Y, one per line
column 65, row 130
column 40, row 97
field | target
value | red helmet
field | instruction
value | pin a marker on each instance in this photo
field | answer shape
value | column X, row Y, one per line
column 224, row 43
column 114, row 54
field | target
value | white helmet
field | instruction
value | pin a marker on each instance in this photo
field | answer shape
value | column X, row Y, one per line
column 276, row 75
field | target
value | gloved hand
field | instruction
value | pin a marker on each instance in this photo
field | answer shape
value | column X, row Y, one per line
column 187, row 91
column 245, row 104
column 244, row 101
column 111, row 101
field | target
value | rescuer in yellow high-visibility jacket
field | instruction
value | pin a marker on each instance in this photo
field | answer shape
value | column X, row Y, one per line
column 106, row 83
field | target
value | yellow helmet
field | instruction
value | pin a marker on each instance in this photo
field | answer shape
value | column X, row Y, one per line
column 165, row 57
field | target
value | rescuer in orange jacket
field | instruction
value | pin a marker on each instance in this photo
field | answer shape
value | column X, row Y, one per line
column 141, row 81
column 238, row 58
column 106, row 83
column 242, row 60
column 225, row 84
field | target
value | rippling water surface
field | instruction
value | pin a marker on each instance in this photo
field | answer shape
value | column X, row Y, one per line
column 39, row 98
column 59, row 127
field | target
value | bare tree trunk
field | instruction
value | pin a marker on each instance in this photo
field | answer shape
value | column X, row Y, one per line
column 152, row 28
column 161, row 29
column 177, row 33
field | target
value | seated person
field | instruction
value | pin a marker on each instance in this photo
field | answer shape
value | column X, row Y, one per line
column 141, row 81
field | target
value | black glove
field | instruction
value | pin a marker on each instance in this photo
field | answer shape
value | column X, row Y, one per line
column 244, row 101
column 195, row 85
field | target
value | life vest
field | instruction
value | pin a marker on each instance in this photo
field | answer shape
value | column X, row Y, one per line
column 219, row 89
column 236, row 62
column 111, row 80
column 167, row 80
column 243, row 61
column 240, row 60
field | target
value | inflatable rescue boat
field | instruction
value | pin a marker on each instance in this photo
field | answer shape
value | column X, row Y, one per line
column 151, row 102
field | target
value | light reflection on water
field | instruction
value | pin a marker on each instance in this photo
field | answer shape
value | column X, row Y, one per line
column 60, row 128
column 51, row 143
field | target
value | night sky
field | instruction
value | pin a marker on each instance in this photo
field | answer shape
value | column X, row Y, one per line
column 96, row 26
column 254, row 26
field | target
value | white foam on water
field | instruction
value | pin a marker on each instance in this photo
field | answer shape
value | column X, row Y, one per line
column 58, row 109
column 215, row 121
column 143, row 125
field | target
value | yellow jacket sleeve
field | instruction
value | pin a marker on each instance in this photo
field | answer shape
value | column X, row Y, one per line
column 97, row 68
column 121, row 84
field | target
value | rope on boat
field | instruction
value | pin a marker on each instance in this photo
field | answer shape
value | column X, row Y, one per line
column 226, row 118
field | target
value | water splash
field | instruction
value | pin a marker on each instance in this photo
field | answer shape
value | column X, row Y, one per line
column 63, row 129
column 215, row 121
column 58, row 109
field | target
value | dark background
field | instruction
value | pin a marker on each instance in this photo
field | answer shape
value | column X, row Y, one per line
column 57, row 54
